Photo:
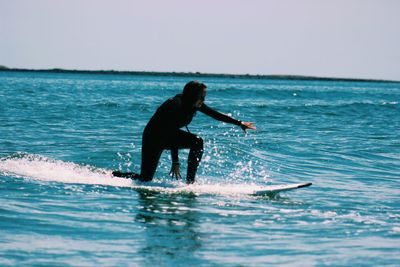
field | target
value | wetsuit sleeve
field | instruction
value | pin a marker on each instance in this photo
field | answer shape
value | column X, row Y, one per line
column 174, row 109
column 218, row 115
column 174, row 155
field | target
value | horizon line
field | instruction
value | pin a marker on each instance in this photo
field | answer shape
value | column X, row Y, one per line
column 198, row 74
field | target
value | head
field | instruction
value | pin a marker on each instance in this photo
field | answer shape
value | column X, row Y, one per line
column 194, row 94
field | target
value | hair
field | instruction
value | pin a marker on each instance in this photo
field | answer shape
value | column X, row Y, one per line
column 191, row 91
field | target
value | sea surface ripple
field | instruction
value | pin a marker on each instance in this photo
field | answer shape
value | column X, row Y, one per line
column 61, row 134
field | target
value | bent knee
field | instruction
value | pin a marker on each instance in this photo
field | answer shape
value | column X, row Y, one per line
column 198, row 143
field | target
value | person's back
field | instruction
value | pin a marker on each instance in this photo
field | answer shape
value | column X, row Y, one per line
column 171, row 116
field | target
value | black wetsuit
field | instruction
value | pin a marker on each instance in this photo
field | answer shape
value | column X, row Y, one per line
column 163, row 132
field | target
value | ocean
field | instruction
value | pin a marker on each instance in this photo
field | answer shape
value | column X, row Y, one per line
column 61, row 135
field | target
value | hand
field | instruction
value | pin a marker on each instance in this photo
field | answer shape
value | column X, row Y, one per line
column 247, row 125
column 175, row 171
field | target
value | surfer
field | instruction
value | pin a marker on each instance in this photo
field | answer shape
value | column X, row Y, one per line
column 163, row 131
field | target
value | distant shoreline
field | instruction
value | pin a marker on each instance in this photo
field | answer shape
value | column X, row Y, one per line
column 196, row 74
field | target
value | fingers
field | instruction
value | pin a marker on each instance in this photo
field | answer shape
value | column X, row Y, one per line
column 175, row 173
column 247, row 125
column 250, row 125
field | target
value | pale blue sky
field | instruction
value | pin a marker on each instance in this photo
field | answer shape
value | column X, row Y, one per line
column 338, row 38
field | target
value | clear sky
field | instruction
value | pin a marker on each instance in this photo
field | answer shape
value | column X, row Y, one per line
column 337, row 38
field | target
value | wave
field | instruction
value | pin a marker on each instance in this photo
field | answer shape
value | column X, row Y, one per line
column 305, row 103
column 352, row 104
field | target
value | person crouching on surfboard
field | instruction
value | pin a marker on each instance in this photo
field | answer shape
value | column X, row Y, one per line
column 163, row 132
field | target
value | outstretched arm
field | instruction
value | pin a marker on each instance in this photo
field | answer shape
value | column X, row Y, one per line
column 225, row 118
column 218, row 115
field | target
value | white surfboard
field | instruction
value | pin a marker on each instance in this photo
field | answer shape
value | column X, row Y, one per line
column 215, row 189
column 255, row 191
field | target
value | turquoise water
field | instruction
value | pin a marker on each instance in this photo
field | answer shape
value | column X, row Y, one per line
column 62, row 134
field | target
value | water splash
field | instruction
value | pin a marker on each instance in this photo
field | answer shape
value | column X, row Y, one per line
column 42, row 168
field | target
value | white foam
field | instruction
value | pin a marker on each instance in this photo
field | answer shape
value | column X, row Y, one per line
column 396, row 229
column 45, row 169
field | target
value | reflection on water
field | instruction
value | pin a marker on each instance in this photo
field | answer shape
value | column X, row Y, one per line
column 171, row 224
